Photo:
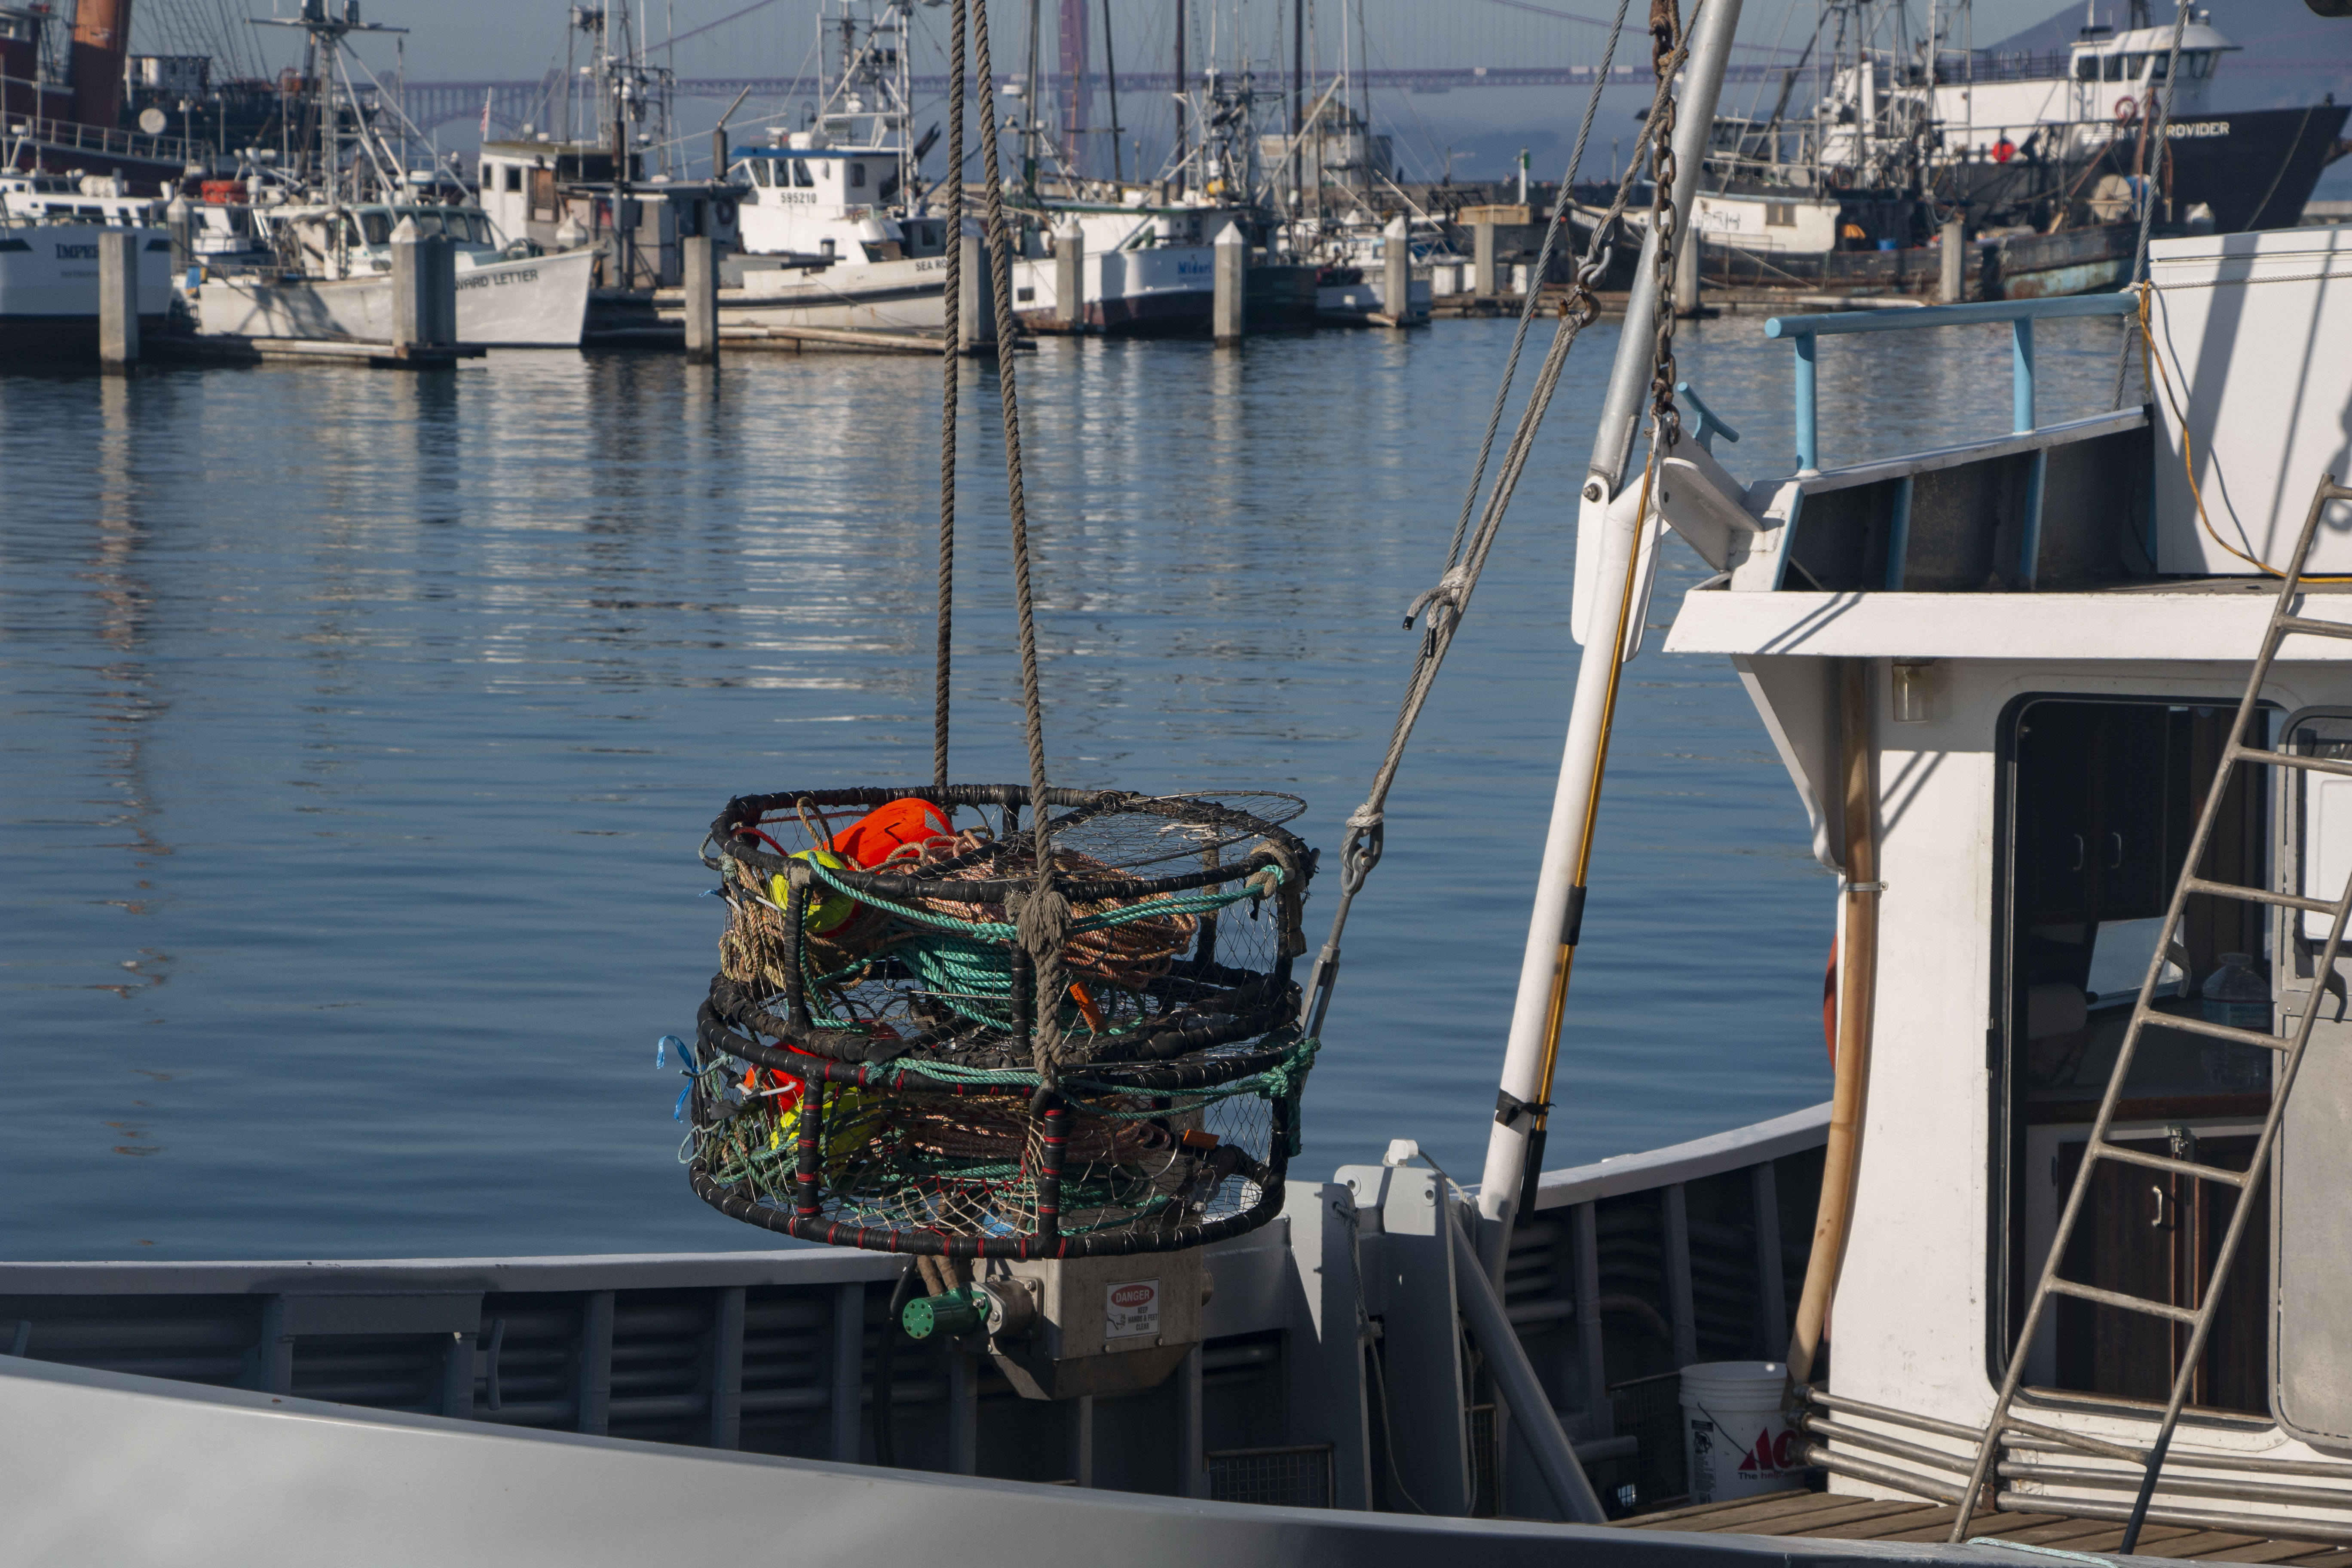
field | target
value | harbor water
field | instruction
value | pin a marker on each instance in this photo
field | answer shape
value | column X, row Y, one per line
column 358, row 731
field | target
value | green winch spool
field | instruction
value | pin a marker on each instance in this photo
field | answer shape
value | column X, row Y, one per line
column 955, row 1312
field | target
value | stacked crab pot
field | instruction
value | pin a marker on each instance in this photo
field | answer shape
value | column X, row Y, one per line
column 917, row 1042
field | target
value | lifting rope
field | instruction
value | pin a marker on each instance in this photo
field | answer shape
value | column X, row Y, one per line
column 951, row 376
column 1043, row 916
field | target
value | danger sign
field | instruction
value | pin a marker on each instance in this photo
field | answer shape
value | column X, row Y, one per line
column 1130, row 1309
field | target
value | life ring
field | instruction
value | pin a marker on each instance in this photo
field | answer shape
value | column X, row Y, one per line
column 724, row 209
column 2127, row 110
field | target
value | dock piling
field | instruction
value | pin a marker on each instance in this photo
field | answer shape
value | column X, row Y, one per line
column 423, row 292
column 1396, row 273
column 701, row 263
column 1070, row 277
column 118, row 299
column 976, row 311
column 1955, row 288
column 1482, row 259
column 182, row 221
column 1229, row 308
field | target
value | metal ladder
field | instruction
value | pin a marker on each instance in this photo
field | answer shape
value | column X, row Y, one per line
column 2284, row 624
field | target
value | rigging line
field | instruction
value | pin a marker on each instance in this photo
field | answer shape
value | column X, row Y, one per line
column 1360, row 852
column 1535, row 282
column 730, row 16
column 2147, row 194
column 1561, row 16
column 1044, row 914
column 951, row 376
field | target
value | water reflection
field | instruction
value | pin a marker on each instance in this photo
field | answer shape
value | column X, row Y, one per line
column 388, row 710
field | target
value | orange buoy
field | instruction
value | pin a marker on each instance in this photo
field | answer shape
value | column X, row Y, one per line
column 883, row 833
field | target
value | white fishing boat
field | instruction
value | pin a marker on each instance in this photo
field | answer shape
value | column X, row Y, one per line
column 1147, row 267
column 50, row 226
column 340, row 284
column 305, row 251
column 2067, row 708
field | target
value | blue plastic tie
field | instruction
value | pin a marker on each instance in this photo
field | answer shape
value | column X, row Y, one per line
column 677, row 1111
column 661, row 1050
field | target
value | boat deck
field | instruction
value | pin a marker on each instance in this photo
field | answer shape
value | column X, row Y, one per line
column 1826, row 1516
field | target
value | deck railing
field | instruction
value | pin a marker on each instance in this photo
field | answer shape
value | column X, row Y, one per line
column 2020, row 314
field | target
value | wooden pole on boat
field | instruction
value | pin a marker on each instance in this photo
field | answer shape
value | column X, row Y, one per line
column 701, row 267
column 1515, row 1141
column 1857, row 986
column 118, row 299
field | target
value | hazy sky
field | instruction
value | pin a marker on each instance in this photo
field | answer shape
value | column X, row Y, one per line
column 473, row 40
column 1475, row 132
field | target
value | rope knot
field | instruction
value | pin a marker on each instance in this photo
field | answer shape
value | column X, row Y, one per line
column 1448, row 591
column 1040, row 924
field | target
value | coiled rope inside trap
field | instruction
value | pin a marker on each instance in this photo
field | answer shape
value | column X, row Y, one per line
column 864, row 1071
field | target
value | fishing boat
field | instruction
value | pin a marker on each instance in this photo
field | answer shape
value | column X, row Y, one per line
column 50, row 226
column 833, row 225
column 305, row 251
column 330, row 277
column 2066, row 707
column 2044, row 158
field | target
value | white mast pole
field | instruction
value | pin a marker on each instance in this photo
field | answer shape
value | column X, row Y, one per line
column 1523, row 1062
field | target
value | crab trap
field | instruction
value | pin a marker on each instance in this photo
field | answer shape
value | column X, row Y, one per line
column 921, row 1040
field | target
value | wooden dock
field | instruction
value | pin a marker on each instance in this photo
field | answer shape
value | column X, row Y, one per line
column 222, row 349
column 1827, row 1516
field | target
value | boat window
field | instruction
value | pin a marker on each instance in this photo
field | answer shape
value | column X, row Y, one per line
column 856, row 175
column 2102, row 804
column 1779, row 214
column 2158, row 64
column 763, row 172
column 514, row 177
column 2086, row 68
column 2197, row 64
column 377, row 227
column 803, row 176
column 2114, row 65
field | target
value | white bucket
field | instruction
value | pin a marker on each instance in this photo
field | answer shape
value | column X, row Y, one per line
column 1736, row 1440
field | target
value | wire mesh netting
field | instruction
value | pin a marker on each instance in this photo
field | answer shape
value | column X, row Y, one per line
column 878, row 1065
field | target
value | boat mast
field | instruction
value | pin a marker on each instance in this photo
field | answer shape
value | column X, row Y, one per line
column 1297, row 102
column 1513, row 1146
column 1183, row 151
column 1030, row 112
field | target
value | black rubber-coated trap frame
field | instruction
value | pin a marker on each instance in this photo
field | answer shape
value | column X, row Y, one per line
column 868, row 1071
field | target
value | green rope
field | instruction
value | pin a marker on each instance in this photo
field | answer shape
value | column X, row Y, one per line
column 1198, row 901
